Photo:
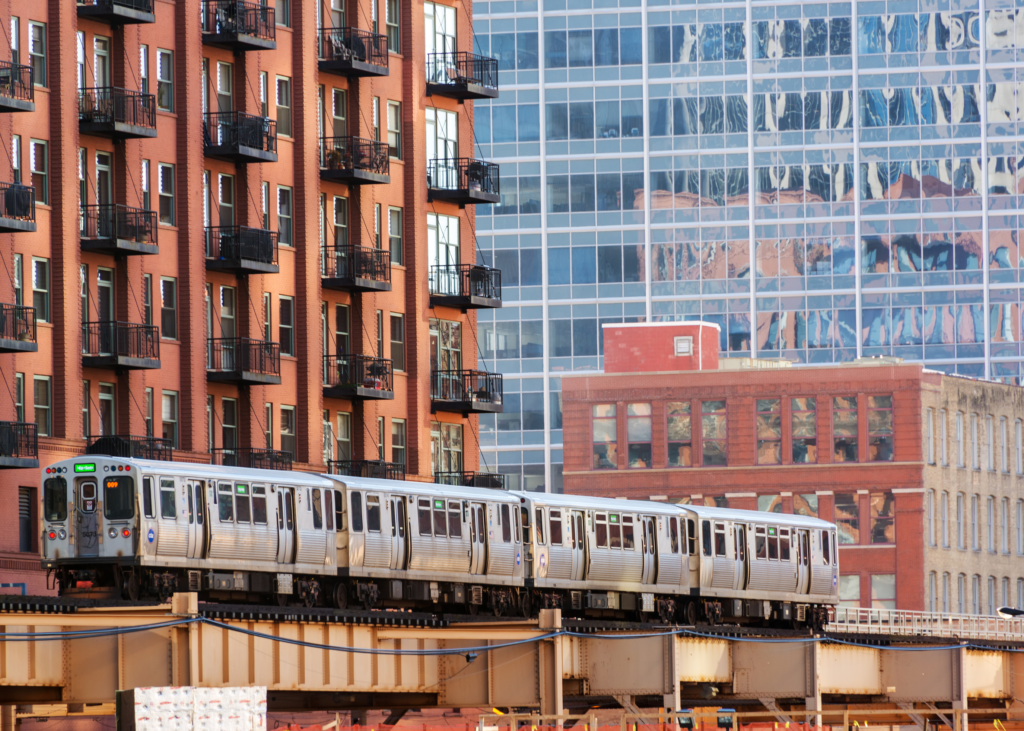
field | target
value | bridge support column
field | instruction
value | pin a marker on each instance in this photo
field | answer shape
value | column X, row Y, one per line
column 549, row 665
column 8, row 718
column 812, row 690
column 359, row 718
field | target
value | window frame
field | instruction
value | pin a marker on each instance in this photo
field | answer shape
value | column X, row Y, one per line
column 284, row 128
column 721, row 440
column 40, row 175
column 285, row 221
column 638, row 419
column 164, row 83
column 45, row 411
column 397, row 325
column 168, row 314
column 39, row 79
column 286, row 329
column 394, row 123
column 679, row 418
column 768, row 430
column 41, row 297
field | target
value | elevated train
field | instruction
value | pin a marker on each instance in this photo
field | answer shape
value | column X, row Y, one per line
column 148, row 528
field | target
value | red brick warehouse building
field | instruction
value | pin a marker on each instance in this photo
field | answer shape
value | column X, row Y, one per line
column 921, row 471
column 242, row 233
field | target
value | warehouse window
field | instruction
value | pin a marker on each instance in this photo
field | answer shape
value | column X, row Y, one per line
column 847, row 519
column 769, row 431
column 804, row 420
column 713, row 433
column 844, row 428
column 605, row 439
column 880, row 429
column 638, row 434
column 680, row 434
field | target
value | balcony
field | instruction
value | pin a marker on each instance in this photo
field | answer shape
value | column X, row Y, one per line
column 17, row 329
column 120, row 345
column 253, row 458
column 353, row 52
column 243, row 361
column 117, row 12
column 488, row 480
column 466, row 286
column 111, row 228
column 241, row 250
column 375, row 468
column 17, row 208
column 354, row 161
column 355, row 269
column 17, row 92
column 132, row 447
column 462, row 180
column 238, row 26
column 116, row 113
column 19, row 445
column 466, row 392
column 239, row 138
column 461, row 75
column 358, row 377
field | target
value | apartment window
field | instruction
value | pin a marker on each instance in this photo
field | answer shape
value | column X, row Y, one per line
column 883, row 591
column 144, row 68
column 844, row 428
column 849, row 590
column 804, row 421
column 961, row 528
column 147, row 299
column 86, row 411
column 391, row 23
column 344, row 436
column 147, row 406
column 769, row 431
column 975, row 522
column 26, row 525
column 680, row 434
column 165, row 183
column 15, row 39
column 1018, row 445
column 168, row 308
column 990, row 525
column 638, row 434
column 169, row 416
column 380, row 438
column 960, row 461
column 41, row 288
column 19, row 397
column 380, row 333
column 16, row 157
column 1004, row 524
column 37, row 52
column 975, row 462
column 340, row 221
column 228, row 423
column 882, row 513
column 284, row 106
column 286, row 324
column 848, row 519
column 945, row 591
column 929, row 435
column 976, row 594
column 376, row 225
column 284, row 215
column 880, row 428
column 283, row 13
column 164, row 80
column 961, row 593
column 929, row 508
column 1020, row 593
column 268, row 434
column 1004, row 460
column 944, row 518
column 1006, row 592
column 41, row 402
column 398, row 342
column 146, row 199
column 19, row 280
column 288, row 430
column 40, row 166
column 932, row 591
column 398, row 441
column 341, row 328
column 395, row 235
column 990, row 456
column 394, row 128
column 769, row 503
column 604, row 436
column 943, row 446
column 713, row 433
column 375, row 115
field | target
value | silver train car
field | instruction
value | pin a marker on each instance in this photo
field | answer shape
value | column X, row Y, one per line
column 146, row 528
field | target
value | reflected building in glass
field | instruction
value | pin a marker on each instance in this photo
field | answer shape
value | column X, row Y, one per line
column 825, row 181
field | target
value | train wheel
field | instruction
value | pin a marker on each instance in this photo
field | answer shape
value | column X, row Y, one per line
column 340, row 596
column 526, row 604
column 474, row 609
column 132, row 588
column 282, row 599
column 691, row 613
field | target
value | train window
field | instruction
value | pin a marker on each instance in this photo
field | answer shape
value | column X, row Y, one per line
column 356, row 513
column 55, row 498
column 691, row 536
column 773, row 543
column 440, row 529
column 188, row 498
column 318, row 512
column 243, row 510
column 506, row 523
column 280, row 510
column 373, row 513
column 705, row 530
column 719, row 539
column 835, row 552
column 601, row 529
column 400, row 507
column 825, row 559
column 339, row 510
column 538, row 524
column 515, row 519
column 628, row 539
column 147, row 497
column 454, row 519
column 226, row 506
column 259, row 505
column 167, row 507
column 424, row 517
column 673, row 534
column 784, row 544
column 200, row 489
column 289, row 519
column 614, row 531
column 328, row 508
column 760, row 544
column 555, row 528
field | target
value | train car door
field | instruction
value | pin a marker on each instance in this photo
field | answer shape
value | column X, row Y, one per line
column 803, row 566
column 285, row 525
column 196, row 518
column 741, row 557
column 478, row 539
column 398, row 524
column 649, row 545
column 87, row 520
column 579, row 540
column 692, row 551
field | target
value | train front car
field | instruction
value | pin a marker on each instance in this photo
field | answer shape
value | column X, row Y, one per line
column 90, row 523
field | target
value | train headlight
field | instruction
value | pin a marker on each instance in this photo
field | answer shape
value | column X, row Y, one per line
column 52, row 536
column 62, row 534
column 112, row 533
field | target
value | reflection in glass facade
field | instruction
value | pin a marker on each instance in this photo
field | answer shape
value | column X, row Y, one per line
column 823, row 180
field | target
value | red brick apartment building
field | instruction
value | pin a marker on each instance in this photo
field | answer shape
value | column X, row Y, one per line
column 921, row 471
column 238, row 232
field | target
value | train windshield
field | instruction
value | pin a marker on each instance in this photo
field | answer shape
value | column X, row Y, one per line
column 55, row 499
column 118, row 498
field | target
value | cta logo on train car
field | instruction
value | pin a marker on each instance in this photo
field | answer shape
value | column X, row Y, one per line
column 151, row 535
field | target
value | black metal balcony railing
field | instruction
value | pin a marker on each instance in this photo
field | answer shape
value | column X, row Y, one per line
column 359, row 376
column 352, row 51
column 120, row 344
column 354, row 160
column 240, row 137
column 116, row 112
column 253, row 457
column 463, row 180
column 118, row 11
column 241, row 24
column 241, row 249
column 132, row 447
column 17, row 208
column 377, row 469
column 471, row 479
column 356, row 267
column 244, row 355
column 19, row 444
column 17, row 92
column 112, row 228
column 465, row 285
column 144, row 6
column 17, row 329
column 462, row 75
column 466, row 391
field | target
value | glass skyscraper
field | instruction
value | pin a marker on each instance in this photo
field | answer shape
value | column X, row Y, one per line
column 824, row 180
